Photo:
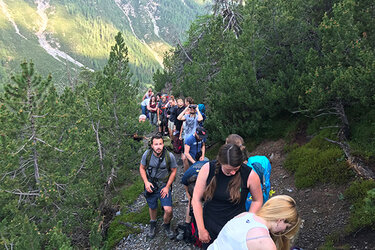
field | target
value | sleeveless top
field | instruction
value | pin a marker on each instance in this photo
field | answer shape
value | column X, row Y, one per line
column 234, row 233
column 153, row 106
column 220, row 209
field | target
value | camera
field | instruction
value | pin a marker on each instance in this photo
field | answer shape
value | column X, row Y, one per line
column 153, row 189
column 193, row 106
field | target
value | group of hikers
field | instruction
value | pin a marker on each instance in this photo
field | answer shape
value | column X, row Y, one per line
column 227, row 198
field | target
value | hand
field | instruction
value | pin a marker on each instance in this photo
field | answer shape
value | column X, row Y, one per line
column 201, row 158
column 148, row 186
column 164, row 192
column 204, row 236
column 180, row 137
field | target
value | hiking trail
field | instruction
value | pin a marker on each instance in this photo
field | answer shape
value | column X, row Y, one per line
column 321, row 208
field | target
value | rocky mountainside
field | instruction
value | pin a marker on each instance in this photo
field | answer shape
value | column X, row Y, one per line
column 61, row 35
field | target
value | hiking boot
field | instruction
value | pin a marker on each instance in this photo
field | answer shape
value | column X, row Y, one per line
column 168, row 232
column 151, row 233
column 181, row 232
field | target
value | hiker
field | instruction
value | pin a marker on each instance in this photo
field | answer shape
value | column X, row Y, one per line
column 188, row 180
column 259, row 163
column 162, row 115
column 272, row 227
column 218, row 184
column 142, row 118
column 195, row 146
column 171, row 115
column 239, row 141
column 145, row 100
column 158, row 171
column 187, row 102
column 189, row 126
column 152, row 107
column 178, row 145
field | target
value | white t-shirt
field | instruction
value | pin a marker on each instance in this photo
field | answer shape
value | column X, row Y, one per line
column 145, row 102
column 234, row 233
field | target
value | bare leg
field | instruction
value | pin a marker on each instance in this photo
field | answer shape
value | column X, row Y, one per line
column 168, row 213
column 153, row 213
column 187, row 215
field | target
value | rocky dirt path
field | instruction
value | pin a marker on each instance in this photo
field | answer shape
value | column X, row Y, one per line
column 322, row 208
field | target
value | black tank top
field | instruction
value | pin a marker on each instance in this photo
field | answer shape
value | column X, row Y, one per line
column 220, row 209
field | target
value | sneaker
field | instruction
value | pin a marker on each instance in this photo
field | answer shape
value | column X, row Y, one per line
column 151, row 233
column 168, row 232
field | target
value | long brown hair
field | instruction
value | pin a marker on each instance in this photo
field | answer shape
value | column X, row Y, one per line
column 229, row 154
column 282, row 207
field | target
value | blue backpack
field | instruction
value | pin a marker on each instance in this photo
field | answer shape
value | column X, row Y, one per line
column 262, row 166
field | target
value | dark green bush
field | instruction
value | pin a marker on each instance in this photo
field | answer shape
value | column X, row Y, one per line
column 358, row 190
column 317, row 161
column 363, row 213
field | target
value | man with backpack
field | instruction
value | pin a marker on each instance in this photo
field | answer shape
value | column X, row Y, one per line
column 158, row 171
column 195, row 146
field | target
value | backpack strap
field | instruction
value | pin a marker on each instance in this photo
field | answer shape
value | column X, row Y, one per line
column 167, row 158
column 148, row 159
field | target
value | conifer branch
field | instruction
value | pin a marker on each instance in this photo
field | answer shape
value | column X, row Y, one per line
column 40, row 140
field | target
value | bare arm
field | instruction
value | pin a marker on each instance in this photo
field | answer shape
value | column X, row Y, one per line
column 253, row 183
column 187, row 154
column 200, row 187
column 203, row 151
column 181, row 116
column 200, row 117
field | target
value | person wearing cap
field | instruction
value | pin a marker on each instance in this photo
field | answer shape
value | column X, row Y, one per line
column 195, row 146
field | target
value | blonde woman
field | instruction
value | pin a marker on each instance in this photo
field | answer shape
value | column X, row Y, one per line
column 224, row 185
column 276, row 223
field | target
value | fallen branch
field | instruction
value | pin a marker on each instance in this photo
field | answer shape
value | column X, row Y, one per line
column 354, row 162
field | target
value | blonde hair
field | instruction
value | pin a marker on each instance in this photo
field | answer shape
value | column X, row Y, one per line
column 282, row 207
column 239, row 141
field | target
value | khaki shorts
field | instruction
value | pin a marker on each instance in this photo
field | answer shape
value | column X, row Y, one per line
column 170, row 125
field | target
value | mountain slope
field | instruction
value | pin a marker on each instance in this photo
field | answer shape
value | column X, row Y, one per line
column 59, row 35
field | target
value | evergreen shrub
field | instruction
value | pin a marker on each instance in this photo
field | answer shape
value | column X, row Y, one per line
column 361, row 194
column 317, row 161
column 363, row 213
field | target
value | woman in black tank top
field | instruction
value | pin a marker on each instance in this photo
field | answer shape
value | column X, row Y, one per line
column 224, row 185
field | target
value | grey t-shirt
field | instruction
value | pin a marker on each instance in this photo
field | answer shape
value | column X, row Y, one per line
column 190, row 125
column 163, row 170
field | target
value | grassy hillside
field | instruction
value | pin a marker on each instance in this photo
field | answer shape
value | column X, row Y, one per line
column 85, row 31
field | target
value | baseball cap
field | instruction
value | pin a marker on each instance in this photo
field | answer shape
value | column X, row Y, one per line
column 201, row 132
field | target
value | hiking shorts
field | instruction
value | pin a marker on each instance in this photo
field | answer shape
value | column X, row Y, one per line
column 170, row 125
column 152, row 199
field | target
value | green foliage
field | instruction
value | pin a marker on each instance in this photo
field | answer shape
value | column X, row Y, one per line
column 357, row 190
column 60, row 155
column 363, row 214
column 85, row 31
column 362, row 131
column 129, row 194
column 125, row 224
column 317, row 162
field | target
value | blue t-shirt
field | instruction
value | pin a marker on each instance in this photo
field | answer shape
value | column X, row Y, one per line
column 195, row 146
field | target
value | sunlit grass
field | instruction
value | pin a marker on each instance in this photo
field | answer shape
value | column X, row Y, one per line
column 24, row 15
